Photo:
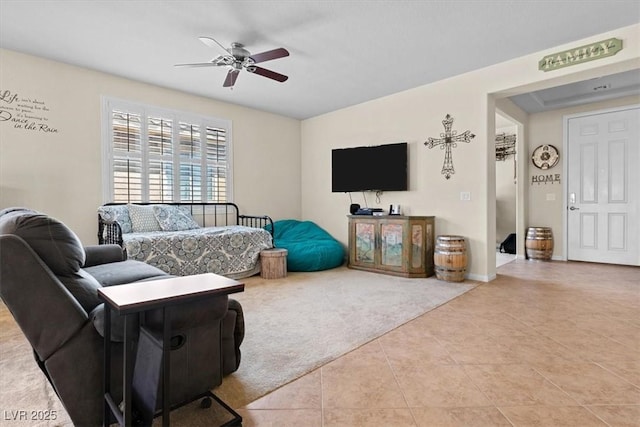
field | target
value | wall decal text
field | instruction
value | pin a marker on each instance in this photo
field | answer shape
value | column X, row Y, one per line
column 25, row 113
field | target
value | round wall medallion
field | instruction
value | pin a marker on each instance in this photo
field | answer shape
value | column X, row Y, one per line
column 545, row 156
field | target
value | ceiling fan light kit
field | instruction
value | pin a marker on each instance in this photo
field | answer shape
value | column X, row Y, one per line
column 238, row 58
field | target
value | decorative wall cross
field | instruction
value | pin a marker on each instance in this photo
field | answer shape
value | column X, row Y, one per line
column 449, row 139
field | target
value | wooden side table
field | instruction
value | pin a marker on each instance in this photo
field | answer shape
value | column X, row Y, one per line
column 450, row 258
column 144, row 296
column 273, row 263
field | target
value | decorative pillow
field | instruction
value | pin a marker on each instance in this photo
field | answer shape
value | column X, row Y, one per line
column 143, row 219
column 172, row 218
column 119, row 213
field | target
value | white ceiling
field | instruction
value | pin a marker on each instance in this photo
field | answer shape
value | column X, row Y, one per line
column 342, row 52
column 584, row 92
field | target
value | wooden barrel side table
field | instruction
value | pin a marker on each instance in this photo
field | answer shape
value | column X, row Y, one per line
column 539, row 243
column 450, row 258
column 273, row 263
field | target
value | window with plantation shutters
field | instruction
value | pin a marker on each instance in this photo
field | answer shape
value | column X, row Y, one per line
column 155, row 155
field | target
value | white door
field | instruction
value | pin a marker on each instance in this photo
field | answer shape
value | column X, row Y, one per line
column 604, row 187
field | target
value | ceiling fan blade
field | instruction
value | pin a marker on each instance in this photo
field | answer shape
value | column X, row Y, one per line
column 211, row 42
column 268, row 73
column 199, row 64
column 269, row 55
column 232, row 75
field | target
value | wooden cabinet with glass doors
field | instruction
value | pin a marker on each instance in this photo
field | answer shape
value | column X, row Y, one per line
column 397, row 245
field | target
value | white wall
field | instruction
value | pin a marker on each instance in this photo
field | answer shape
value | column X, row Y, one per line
column 60, row 173
column 416, row 114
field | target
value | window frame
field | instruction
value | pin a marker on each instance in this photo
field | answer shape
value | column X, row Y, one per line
column 109, row 104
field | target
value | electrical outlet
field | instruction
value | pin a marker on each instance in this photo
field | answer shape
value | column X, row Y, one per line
column 465, row 195
column 551, row 197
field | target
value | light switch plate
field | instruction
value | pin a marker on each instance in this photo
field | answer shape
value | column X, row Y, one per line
column 465, row 195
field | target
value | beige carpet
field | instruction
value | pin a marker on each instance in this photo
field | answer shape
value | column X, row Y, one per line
column 293, row 326
column 299, row 323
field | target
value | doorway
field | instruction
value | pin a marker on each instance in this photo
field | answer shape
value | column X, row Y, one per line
column 603, row 186
column 506, row 185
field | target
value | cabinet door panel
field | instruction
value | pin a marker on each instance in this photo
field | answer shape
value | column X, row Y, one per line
column 391, row 239
column 365, row 243
column 417, row 248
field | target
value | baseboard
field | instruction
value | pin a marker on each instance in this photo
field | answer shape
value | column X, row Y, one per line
column 553, row 258
column 480, row 278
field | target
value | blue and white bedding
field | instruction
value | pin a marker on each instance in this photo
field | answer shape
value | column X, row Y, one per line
column 231, row 251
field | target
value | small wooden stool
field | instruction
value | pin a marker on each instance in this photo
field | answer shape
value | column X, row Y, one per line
column 273, row 263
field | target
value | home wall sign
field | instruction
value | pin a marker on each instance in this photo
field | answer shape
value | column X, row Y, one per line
column 19, row 112
column 579, row 55
column 545, row 179
column 449, row 139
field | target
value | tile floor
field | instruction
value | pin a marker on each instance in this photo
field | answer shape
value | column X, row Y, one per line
column 545, row 344
column 503, row 258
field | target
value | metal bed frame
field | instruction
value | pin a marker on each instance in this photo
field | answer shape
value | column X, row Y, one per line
column 205, row 214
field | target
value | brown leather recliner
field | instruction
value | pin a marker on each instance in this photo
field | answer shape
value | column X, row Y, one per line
column 49, row 283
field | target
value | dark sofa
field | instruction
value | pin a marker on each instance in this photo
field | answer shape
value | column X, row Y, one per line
column 49, row 283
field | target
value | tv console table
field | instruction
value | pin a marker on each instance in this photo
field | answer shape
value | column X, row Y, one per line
column 392, row 244
column 144, row 296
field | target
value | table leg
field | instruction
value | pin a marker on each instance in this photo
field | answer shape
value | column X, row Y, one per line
column 166, row 366
column 127, row 375
column 106, row 379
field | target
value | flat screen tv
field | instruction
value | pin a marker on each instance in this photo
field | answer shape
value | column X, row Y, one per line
column 373, row 168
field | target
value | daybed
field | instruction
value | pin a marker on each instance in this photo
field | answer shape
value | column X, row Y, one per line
column 310, row 248
column 188, row 238
column 49, row 283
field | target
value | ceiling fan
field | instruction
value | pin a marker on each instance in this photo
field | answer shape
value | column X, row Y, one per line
column 237, row 57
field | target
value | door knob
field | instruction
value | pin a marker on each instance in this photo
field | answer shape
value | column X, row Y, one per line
column 573, row 208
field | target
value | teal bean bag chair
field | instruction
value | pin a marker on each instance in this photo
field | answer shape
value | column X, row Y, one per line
column 310, row 248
